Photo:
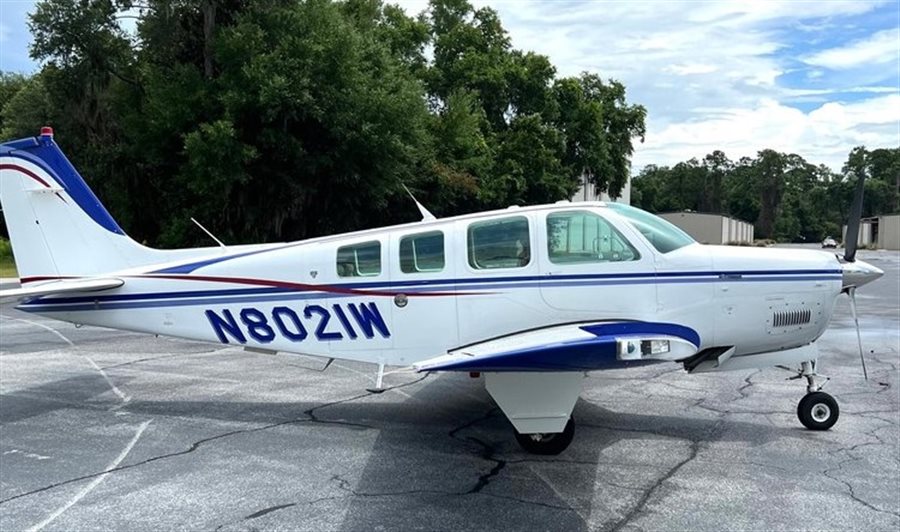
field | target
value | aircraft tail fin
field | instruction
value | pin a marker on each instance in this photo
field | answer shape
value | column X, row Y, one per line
column 57, row 226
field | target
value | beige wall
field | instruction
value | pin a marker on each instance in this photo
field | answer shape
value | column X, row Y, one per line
column 711, row 228
column 886, row 236
column 889, row 232
column 705, row 228
column 865, row 233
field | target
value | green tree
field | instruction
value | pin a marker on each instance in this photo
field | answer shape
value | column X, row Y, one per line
column 529, row 167
column 283, row 119
column 743, row 199
column 716, row 166
column 24, row 106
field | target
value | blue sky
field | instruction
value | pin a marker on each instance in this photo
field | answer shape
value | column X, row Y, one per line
column 811, row 77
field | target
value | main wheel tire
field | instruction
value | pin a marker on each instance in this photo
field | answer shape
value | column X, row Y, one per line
column 548, row 443
column 818, row 411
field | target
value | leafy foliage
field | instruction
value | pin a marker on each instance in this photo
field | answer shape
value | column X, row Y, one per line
column 787, row 198
column 284, row 119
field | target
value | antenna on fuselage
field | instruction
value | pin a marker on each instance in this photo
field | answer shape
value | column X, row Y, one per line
column 205, row 230
column 426, row 214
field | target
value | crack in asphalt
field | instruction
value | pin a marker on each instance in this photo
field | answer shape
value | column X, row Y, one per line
column 194, row 446
column 832, row 471
column 727, row 411
column 642, row 502
column 276, row 508
column 499, row 465
column 161, row 357
column 345, row 485
column 639, row 506
column 487, row 451
column 851, row 492
column 311, row 417
column 748, row 383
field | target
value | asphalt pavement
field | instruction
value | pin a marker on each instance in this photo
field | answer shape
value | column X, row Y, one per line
column 108, row 430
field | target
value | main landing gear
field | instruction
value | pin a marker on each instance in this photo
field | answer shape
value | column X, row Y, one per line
column 548, row 443
column 817, row 410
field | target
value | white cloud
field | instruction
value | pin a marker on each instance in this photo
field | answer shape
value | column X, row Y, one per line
column 688, row 69
column 880, row 48
column 825, row 135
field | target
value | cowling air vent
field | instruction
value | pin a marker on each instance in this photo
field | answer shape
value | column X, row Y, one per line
column 792, row 314
column 789, row 318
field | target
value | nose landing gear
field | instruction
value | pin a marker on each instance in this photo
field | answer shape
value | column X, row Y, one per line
column 817, row 410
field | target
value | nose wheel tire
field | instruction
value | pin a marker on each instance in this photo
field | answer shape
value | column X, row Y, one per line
column 818, row 411
column 548, row 443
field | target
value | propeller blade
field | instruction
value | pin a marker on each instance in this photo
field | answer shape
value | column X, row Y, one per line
column 852, row 293
column 851, row 238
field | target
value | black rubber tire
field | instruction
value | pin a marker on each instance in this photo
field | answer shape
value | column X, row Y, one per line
column 548, row 444
column 818, row 411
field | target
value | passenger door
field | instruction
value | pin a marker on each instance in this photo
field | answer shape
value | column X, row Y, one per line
column 423, row 271
column 590, row 270
column 497, row 286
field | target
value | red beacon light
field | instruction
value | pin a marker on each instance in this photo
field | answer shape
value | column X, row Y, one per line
column 47, row 131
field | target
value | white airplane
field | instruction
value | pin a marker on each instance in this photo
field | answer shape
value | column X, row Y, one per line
column 530, row 297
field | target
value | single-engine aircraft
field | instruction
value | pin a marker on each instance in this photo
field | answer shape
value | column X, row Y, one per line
column 529, row 297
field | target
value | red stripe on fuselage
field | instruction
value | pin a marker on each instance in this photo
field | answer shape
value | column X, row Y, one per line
column 301, row 286
column 25, row 280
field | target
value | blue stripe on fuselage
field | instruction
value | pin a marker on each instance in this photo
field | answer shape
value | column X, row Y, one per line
column 268, row 294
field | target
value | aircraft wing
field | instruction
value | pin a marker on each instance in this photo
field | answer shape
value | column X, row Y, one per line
column 579, row 346
column 62, row 287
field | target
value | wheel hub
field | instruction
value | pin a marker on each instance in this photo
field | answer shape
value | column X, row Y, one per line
column 821, row 412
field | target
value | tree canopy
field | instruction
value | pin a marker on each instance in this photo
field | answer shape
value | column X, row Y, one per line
column 786, row 197
column 283, row 119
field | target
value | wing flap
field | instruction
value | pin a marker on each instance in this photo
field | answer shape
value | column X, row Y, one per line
column 572, row 347
column 62, row 287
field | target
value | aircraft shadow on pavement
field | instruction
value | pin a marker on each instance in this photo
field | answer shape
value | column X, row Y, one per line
column 444, row 456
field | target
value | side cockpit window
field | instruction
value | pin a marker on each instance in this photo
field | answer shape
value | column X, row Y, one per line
column 575, row 237
column 423, row 252
column 661, row 234
column 503, row 243
column 359, row 260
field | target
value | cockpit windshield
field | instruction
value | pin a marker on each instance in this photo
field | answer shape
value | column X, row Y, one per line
column 664, row 236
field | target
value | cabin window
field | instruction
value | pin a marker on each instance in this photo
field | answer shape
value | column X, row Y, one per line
column 359, row 260
column 501, row 243
column 577, row 237
column 423, row 252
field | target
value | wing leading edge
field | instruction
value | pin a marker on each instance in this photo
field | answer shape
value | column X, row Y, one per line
column 572, row 347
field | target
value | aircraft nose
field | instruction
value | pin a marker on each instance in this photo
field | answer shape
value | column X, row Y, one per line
column 858, row 273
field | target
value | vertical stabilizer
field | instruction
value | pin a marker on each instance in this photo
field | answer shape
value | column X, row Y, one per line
column 57, row 226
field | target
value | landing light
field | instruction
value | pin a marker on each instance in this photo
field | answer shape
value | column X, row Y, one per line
column 637, row 349
column 654, row 347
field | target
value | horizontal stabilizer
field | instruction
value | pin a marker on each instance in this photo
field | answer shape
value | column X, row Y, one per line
column 63, row 287
column 572, row 347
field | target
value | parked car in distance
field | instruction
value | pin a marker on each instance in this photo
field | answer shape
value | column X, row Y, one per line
column 829, row 242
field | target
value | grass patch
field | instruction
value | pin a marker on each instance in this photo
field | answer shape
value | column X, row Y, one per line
column 7, row 266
